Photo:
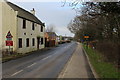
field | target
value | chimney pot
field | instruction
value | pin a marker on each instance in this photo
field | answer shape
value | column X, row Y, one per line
column 33, row 11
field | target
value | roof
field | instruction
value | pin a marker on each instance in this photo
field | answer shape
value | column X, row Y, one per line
column 24, row 14
column 51, row 34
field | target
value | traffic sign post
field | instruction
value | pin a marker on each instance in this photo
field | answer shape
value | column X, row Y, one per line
column 86, row 39
column 9, row 41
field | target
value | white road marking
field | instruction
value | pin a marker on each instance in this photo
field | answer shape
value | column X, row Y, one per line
column 50, row 56
column 36, row 63
column 16, row 72
column 55, row 53
column 46, row 57
column 31, row 65
column 67, row 46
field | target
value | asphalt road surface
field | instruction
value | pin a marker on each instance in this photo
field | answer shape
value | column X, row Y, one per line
column 40, row 64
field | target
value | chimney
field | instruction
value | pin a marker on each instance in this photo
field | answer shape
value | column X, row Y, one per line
column 33, row 11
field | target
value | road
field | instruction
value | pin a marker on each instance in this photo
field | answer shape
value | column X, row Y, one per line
column 40, row 64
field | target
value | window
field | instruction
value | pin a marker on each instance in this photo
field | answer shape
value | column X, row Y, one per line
column 33, row 26
column 41, row 28
column 24, row 24
column 27, row 42
column 24, row 33
column 20, row 42
column 41, row 40
column 33, row 42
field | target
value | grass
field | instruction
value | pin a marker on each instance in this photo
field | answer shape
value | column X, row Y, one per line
column 102, row 68
column 13, row 56
column 19, row 55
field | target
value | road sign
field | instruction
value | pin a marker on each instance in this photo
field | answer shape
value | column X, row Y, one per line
column 9, row 35
column 9, row 43
column 86, row 36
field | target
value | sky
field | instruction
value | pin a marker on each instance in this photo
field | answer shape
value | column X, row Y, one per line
column 51, row 13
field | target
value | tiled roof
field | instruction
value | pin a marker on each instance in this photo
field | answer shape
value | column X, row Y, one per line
column 52, row 34
column 24, row 14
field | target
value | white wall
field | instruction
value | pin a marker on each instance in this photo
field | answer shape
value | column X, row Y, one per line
column 0, row 39
column 29, row 34
column 0, row 26
column 8, row 24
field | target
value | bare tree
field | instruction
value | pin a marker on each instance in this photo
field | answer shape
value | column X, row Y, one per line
column 50, row 28
column 101, row 21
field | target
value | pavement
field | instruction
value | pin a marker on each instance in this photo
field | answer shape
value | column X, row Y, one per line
column 77, row 66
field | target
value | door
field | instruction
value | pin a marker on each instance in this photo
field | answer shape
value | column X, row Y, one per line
column 45, row 42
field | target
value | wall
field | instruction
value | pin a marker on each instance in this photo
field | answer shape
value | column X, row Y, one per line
column 0, row 40
column 29, row 34
column 0, row 25
column 8, row 24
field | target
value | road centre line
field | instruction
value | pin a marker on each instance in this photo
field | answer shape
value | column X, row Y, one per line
column 55, row 53
column 36, row 63
column 31, row 65
column 49, row 56
column 46, row 57
column 16, row 72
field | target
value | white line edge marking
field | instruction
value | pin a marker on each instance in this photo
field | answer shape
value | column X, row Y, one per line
column 31, row 65
column 16, row 72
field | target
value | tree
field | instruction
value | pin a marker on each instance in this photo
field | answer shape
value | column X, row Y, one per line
column 101, row 17
column 101, row 21
column 50, row 28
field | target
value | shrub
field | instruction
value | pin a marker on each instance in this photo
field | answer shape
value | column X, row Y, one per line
column 109, row 50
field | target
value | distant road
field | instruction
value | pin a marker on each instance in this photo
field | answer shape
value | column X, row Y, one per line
column 40, row 64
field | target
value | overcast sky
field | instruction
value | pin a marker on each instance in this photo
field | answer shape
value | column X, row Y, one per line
column 52, row 13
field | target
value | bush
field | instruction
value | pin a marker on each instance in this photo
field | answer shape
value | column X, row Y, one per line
column 109, row 50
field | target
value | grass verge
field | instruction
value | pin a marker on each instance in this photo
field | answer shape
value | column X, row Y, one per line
column 13, row 56
column 19, row 55
column 102, row 68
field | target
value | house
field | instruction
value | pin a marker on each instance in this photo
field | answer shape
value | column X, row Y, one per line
column 59, row 38
column 64, row 39
column 26, row 29
column 50, row 39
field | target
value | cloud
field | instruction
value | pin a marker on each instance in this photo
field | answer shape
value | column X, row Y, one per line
column 52, row 13
column 34, row 0
column 64, row 31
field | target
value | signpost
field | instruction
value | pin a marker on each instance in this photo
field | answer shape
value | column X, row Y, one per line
column 86, row 36
column 9, row 41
